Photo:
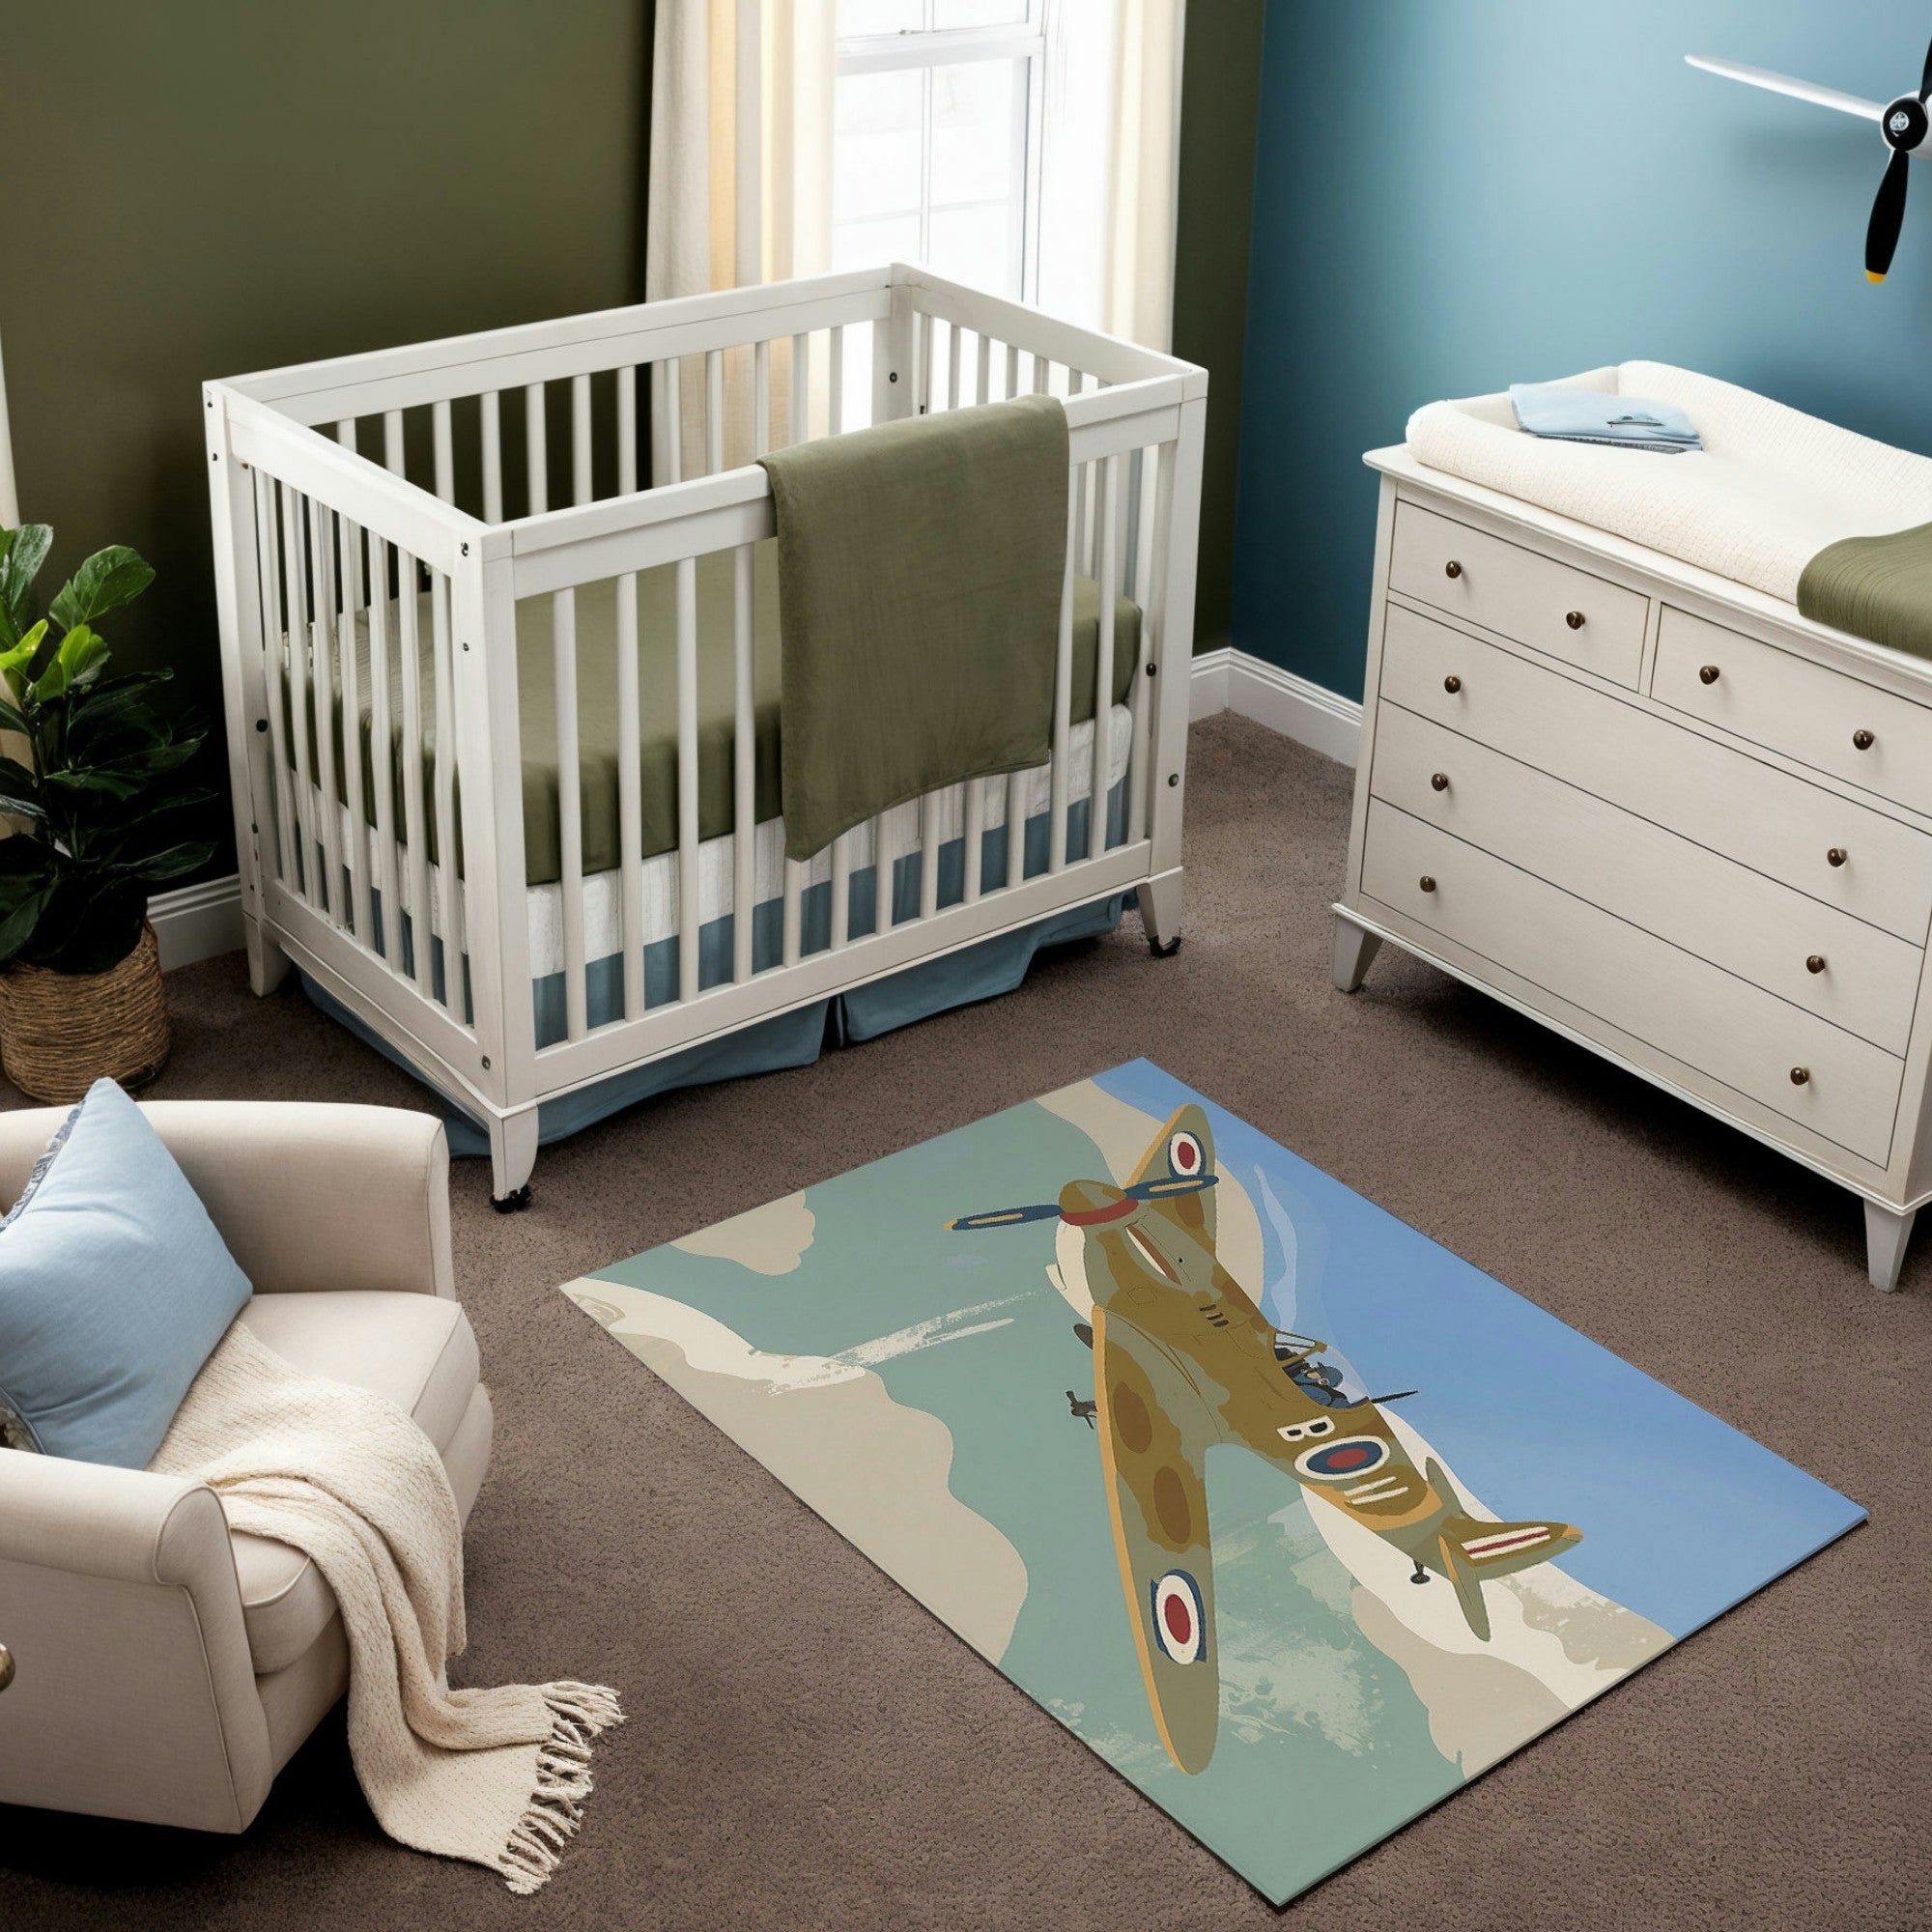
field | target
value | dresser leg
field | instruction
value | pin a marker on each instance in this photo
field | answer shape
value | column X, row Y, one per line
column 1354, row 951
column 1886, row 1236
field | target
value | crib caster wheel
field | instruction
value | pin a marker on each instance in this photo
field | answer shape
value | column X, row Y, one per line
column 1166, row 951
column 512, row 1203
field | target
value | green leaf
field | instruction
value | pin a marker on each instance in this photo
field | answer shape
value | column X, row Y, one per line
column 23, row 565
column 20, row 653
column 84, row 653
column 101, row 780
column 11, row 720
column 17, row 927
column 21, row 808
column 109, row 579
column 171, row 864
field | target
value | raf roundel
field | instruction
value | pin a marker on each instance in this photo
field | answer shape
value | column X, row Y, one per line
column 1352, row 1456
column 1179, row 1619
column 1184, row 1156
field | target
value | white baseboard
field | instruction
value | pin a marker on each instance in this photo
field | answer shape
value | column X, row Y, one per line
column 1309, row 712
column 197, row 922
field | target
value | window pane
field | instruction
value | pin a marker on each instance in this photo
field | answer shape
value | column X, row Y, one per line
column 978, row 246
column 973, row 14
column 864, row 245
column 880, row 16
column 876, row 145
column 976, row 136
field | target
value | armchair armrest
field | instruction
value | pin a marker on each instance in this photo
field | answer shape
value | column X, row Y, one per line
column 134, row 1693
column 306, row 1196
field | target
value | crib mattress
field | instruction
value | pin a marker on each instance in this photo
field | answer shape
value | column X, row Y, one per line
column 597, row 709
column 1771, row 488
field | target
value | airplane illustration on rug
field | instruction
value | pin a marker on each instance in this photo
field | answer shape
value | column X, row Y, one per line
column 1183, row 1361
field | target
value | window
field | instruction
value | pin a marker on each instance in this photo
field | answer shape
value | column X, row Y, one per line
column 937, row 138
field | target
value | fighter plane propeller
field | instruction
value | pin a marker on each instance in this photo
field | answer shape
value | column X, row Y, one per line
column 1185, row 1361
column 1903, row 124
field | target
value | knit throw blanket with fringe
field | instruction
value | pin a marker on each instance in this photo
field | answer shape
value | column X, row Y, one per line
column 342, row 1474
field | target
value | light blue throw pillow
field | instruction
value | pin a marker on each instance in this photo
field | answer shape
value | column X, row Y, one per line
column 114, row 1289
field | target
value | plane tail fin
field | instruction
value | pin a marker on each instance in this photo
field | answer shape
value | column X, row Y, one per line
column 1473, row 1551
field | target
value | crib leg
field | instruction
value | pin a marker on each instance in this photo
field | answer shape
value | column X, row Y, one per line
column 1160, row 913
column 267, row 963
column 513, row 1154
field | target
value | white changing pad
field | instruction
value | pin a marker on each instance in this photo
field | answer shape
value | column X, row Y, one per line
column 1770, row 489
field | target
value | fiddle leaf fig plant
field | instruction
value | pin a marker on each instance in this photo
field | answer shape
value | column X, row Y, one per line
column 102, row 790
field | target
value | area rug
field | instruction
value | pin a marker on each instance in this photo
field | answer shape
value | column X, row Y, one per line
column 1295, row 1518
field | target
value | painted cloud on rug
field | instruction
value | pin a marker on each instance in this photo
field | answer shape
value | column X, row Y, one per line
column 933, row 1395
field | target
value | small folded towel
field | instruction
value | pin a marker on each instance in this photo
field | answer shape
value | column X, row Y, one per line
column 1591, row 415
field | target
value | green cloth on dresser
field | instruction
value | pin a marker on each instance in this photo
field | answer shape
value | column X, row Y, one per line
column 657, row 679
column 920, row 564
column 1879, row 589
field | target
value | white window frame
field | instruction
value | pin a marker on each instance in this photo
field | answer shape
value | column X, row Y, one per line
column 926, row 47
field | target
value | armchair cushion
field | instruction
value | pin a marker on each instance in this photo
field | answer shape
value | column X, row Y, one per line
column 114, row 1289
column 419, row 1351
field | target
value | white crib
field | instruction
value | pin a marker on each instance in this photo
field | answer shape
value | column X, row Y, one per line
column 318, row 541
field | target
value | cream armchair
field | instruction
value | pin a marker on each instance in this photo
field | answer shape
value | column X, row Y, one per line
column 160, row 1667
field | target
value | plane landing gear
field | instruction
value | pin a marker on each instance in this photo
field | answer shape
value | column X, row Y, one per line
column 1421, row 1574
column 1085, row 1411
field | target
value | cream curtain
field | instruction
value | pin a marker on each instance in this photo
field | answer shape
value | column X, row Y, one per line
column 10, row 496
column 1138, row 291
column 740, row 184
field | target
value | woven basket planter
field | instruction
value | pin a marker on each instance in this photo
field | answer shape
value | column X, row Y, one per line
column 62, row 1031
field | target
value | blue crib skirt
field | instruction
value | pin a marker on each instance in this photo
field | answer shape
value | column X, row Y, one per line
column 980, row 972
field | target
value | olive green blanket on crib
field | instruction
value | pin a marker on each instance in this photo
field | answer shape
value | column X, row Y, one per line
column 657, row 679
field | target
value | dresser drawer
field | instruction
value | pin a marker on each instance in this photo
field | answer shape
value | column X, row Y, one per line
column 1685, row 1006
column 1727, row 800
column 1821, row 717
column 1548, row 606
column 1868, row 980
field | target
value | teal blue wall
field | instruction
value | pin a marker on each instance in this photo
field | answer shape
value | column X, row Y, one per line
column 1449, row 198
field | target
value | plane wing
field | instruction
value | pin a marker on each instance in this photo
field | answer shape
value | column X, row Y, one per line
column 1154, row 1432
column 1182, row 1153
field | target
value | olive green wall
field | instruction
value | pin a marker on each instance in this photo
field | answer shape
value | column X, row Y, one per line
column 212, row 187
column 218, row 185
column 1220, row 90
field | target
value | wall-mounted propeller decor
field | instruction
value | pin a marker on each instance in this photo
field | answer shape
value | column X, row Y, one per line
column 1902, row 125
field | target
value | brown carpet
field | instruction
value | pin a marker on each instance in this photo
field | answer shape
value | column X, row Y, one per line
column 808, row 1749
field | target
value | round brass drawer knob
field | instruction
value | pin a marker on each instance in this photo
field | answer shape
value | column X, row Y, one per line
column 1427, row 883
column 6, row 1666
column 1815, row 964
column 1452, row 568
column 1800, row 1075
column 1863, row 741
column 1835, row 856
column 1438, row 781
column 1451, row 684
column 1709, row 673
column 1575, row 619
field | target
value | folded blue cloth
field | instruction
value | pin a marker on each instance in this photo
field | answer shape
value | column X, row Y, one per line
column 1589, row 415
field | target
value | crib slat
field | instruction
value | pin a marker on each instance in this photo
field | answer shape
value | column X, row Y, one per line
column 627, row 430
column 761, row 399
column 929, row 819
column 1103, row 656
column 536, row 453
column 952, row 365
column 1042, row 376
column 630, row 794
column 674, row 398
column 322, row 697
column 361, row 916
column 444, row 776
column 1083, row 485
column 416, row 834
column 794, row 910
column 983, row 370
column 877, row 829
column 387, row 871
column 841, row 891
column 392, row 443
column 569, row 805
column 926, row 324
column 743, row 750
column 1141, row 754
column 835, row 414
column 1018, row 786
column 446, row 451
column 1012, row 370
column 713, row 412
column 976, row 836
column 581, row 489
column 493, row 457
column 294, row 571
column 1063, row 705
column 688, row 910
column 801, row 386
column 275, row 652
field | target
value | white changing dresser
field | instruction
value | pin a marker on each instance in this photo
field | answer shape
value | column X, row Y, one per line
column 1660, row 812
